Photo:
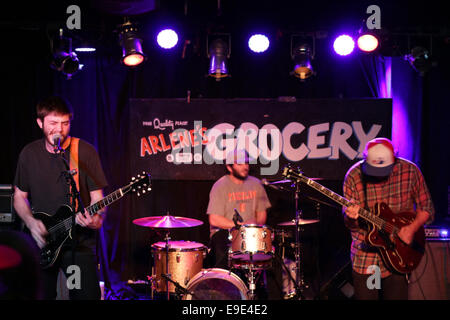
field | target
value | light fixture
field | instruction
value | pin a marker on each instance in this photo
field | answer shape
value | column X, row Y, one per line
column 419, row 59
column 344, row 45
column 302, row 62
column 85, row 47
column 258, row 43
column 219, row 52
column 64, row 59
column 167, row 39
column 302, row 53
column 132, row 54
column 367, row 42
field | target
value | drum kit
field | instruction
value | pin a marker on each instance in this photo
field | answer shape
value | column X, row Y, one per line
column 178, row 265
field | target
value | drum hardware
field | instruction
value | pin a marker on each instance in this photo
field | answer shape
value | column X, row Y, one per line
column 298, row 222
column 168, row 222
column 178, row 288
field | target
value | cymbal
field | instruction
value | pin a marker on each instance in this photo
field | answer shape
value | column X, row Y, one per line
column 300, row 222
column 167, row 222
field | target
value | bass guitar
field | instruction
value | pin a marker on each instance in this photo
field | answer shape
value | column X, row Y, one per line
column 383, row 228
column 59, row 226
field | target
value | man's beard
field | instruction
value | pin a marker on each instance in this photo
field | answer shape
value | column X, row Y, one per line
column 239, row 176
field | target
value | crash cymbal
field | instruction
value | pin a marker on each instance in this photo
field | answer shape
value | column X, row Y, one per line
column 167, row 222
column 300, row 222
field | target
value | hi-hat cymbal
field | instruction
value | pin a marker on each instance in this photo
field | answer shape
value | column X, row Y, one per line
column 300, row 222
column 167, row 222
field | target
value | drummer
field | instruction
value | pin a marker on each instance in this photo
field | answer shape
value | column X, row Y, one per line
column 235, row 191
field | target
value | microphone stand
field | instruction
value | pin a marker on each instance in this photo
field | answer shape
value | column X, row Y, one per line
column 298, row 259
column 178, row 288
column 74, row 194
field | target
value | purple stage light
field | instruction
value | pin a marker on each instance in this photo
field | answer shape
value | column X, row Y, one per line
column 258, row 43
column 167, row 39
column 344, row 45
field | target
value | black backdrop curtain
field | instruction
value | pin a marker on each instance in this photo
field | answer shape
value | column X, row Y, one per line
column 100, row 96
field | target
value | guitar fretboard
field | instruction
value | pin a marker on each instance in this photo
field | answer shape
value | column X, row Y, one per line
column 377, row 221
column 106, row 201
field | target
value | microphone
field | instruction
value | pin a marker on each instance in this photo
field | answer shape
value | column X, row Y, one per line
column 57, row 148
column 267, row 183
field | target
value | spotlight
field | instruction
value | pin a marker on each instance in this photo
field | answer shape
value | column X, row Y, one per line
column 367, row 42
column 258, row 43
column 219, row 52
column 302, row 60
column 132, row 54
column 344, row 45
column 419, row 58
column 64, row 59
column 167, row 39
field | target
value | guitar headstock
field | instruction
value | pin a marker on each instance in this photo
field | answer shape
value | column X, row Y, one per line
column 141, row 183
column 289, row 172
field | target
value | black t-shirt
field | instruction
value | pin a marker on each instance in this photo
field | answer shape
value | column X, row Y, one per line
column 40, row 174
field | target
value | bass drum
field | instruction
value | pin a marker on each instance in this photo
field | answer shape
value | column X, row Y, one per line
column 216, row 284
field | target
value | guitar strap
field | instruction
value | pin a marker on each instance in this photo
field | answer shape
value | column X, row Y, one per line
column 73, row 161
column 364, row 182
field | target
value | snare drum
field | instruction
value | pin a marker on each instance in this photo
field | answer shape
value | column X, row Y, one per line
column 185, row 261
column 216, row 284
column 251, row 244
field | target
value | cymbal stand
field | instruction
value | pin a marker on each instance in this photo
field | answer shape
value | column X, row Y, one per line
column 167, row 275
column 298, row 258
column 251, row 279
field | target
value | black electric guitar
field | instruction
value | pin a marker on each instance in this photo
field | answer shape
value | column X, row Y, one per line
column 383, row 227
column 59, row 225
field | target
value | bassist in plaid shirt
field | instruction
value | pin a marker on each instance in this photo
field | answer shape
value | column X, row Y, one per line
column 383, row 177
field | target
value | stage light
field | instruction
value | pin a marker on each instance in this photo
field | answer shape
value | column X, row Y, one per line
column 344, row 45
column 219, row 53
column 367, row 42
column 132, row 54
column 302, row 62
column 419, row 58
column 85, row 49
column 167, row 39
column 258, row 43
column 64, row 59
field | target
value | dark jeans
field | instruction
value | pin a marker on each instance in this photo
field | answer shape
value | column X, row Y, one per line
column 393, row 287
column 86, row 260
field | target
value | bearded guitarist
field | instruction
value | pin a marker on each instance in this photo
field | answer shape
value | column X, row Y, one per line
column 383, row 178
column 41, row 186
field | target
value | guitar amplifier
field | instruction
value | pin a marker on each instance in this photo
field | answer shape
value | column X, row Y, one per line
column 431, row 279
column 436, row 233
column 7, row 214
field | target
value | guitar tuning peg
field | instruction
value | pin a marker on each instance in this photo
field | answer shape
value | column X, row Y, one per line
column 143, row 191
column 133, row 178
column 143, row 172
column 149, row 189
column 138, row 194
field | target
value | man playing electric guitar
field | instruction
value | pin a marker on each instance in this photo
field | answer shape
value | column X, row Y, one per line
column 383, row 178
column 41, row 186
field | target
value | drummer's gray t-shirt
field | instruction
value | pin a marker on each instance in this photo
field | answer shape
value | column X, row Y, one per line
column 247, row 198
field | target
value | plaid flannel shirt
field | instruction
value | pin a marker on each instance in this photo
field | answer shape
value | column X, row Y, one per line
column 404, row 190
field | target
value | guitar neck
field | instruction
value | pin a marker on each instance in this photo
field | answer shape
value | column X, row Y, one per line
column 366, row 215
column 106, row 201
